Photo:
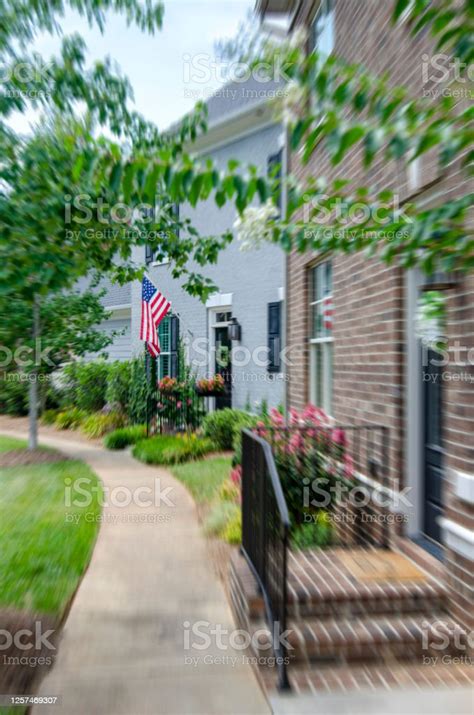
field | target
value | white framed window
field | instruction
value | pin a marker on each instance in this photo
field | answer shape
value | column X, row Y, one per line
column 323, row 30
column 321, row 336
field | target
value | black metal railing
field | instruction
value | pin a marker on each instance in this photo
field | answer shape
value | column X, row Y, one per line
column 171, row 412
column 356, row 456
column 265, row 529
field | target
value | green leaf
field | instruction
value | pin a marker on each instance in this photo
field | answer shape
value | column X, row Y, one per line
column 128, row 176
column 115, row 177
column 400, row 7
column 300, row 128
column 262, row 189
column 196, row 189
column 348, row 139
column 311, row 142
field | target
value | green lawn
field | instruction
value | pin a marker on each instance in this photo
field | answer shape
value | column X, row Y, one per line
column 43, row 552
column 7, row 443
column 203, row 478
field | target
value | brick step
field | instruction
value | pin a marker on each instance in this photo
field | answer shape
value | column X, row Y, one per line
column 383, row 639
column 320, row 586
column 307, row 680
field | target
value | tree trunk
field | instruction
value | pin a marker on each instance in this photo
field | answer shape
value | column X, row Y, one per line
column 33, row 389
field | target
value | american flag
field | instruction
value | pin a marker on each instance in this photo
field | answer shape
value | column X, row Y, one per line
column 154, row 308
column 328, row 311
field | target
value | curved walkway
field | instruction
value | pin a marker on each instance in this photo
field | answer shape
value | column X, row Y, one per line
column 123, row 645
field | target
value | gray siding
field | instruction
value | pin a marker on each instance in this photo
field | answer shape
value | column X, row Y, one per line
column 121, row 348
column 253, row 278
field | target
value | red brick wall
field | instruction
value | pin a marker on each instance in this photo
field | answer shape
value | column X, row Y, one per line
column 369, row 303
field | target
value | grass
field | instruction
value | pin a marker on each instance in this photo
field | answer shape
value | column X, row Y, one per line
column 43, row 551
column 8, row 443
column 203, row 479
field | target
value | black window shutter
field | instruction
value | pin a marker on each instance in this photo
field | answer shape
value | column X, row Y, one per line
column 174, row 345
column 148, row 254
column 274, row 336
column 274, row 169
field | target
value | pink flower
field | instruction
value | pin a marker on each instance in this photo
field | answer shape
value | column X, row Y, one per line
column 339, row 437
column 294, row 417
column 189, row 401
column 277, row 418
column 314, row 415
column 296, row 443
column 236, row 474
column 179, row 404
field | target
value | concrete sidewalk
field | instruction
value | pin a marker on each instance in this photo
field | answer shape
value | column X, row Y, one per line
column 123, row 646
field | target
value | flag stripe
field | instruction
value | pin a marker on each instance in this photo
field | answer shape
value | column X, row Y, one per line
column 154, row 308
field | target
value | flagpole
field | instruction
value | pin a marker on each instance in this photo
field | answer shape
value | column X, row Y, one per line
column 148, row 391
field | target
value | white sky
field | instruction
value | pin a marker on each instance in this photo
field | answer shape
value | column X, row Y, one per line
column 163, row 69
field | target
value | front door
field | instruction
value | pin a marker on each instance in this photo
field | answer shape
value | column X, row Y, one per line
column 224, row 366
column 433, row 446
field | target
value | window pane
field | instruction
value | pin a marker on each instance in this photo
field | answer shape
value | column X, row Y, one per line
column 163, row 366
column 317, row 321
column 328, row 348
column 323, row 29
column 164, row 335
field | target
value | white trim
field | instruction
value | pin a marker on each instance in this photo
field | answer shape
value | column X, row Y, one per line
column 119, row 306
column 463, row 486
column 413, row 410
column 220, row 305
column 219, row 300
column 457, row 538
column 281, row 293
column 164, row 262
column 231, row 138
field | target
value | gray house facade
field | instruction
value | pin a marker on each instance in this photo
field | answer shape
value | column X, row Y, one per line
column 249, row 304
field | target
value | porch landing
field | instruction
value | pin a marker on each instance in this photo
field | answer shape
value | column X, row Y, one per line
column 354, row 626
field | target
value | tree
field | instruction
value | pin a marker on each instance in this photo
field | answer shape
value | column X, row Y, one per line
column 332, row 104
column 29, row 269
column 67, row 330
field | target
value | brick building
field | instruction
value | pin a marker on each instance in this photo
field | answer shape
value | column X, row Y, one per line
column 369, row 367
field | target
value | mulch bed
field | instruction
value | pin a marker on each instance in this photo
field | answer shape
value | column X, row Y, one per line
column 21, row 668
column 23, row 457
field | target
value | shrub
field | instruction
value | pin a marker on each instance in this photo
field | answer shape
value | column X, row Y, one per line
column 118, row 384
column 171, row 449
column 319, row 532
column 13, row 396
column 49, row 417
column 187, row 449
column 139, row 392
column 91, row 385
column 99, row 424
column 229, row 491
column 221, row 426
column 123, row 437
column 221, row 514
column 233, row 530
column 245, row 421
column 70, row 419
column 84, row 385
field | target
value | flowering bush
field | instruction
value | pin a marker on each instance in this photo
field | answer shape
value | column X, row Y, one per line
column 254, row 227
column 311, row 457
column 168, row 385
column 210, row 384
